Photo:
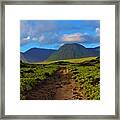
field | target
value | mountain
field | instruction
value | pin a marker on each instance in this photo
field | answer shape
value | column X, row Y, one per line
column 71, row 51
column 67, row 51
column 36, row 54
column 96, row 49
column 22, row 57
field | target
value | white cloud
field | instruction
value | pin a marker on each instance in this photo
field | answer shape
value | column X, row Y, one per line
column 72, row 37
column 97, row 31
column 34, row 39
column 42, row 37
column 27, row 38
column 85, row 34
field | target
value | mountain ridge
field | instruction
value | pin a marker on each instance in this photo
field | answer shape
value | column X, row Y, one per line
column 67, row 51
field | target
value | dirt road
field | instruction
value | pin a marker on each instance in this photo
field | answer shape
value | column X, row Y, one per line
column 58, row 87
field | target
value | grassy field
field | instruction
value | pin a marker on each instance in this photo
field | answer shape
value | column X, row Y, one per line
column 85, row 72
column 68, row 60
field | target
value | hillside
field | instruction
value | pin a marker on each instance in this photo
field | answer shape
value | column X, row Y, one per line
column 70, row 51
column 36, row 54
column 22, row 57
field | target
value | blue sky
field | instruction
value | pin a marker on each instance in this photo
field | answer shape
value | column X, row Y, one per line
column 51, row 34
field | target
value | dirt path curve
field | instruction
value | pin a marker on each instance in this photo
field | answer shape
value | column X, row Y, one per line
column 65, row 86
column 58, row 87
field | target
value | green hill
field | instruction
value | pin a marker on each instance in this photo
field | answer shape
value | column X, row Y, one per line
column 73, row 51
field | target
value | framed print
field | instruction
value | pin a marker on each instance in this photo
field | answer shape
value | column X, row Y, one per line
column 60, row 60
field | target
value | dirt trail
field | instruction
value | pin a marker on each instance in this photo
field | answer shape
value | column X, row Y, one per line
column 58, row 87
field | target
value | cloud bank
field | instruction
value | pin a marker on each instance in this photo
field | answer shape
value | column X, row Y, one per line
column 56, row 32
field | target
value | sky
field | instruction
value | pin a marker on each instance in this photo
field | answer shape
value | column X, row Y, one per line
column 51, row 34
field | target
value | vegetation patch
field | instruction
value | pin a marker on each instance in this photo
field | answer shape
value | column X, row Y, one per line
column 85, row 72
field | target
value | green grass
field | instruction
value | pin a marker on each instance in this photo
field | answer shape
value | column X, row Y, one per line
column 87, row 79
column 32, row 74
column 85, row 72
column 79, row 60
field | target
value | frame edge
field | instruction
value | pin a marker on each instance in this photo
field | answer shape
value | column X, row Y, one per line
column 3, row 3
